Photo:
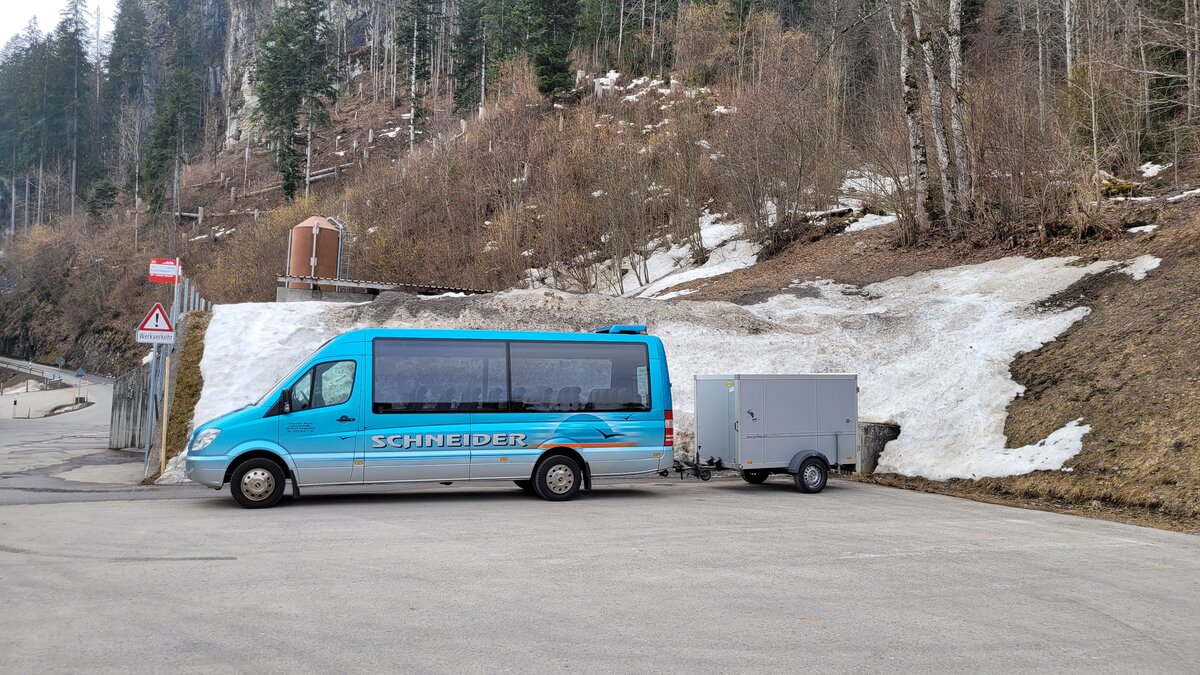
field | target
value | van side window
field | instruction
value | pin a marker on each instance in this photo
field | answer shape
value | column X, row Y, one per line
column 579, row 376
column 430, row 375
column 324, row 385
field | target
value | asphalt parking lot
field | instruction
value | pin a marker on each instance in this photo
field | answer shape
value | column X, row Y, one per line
column 653, row 575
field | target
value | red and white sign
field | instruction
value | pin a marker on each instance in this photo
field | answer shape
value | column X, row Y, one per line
column 165, row 270
column 156, row 328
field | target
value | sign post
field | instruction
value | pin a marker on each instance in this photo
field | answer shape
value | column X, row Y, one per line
column 156, row 329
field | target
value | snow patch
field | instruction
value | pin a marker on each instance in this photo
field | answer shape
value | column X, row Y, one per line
column 1151, row 169
column 1140, row 266
column 870, row 220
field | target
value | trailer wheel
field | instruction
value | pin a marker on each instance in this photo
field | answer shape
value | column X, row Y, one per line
column 704, row 474
column 812, row 476
column 755, row 477
column 525, row 485
column 557, row 478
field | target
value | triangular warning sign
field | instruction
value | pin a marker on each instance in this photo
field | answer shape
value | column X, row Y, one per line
column 157, row 321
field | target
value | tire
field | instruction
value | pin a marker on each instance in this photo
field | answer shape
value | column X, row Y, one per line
column 557, row 478
column 257, row 483
column 755, row 477
column 812, row 476
column 525, row 485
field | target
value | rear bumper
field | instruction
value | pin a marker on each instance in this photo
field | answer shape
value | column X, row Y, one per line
column 208, row 471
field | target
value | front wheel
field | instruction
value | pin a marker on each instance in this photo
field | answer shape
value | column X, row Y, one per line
column 525, row 485
column 755, row 477
column 557, row 478
column 257, row 483
column 812, row 476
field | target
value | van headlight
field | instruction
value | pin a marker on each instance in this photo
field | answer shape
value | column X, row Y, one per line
column 203, row 439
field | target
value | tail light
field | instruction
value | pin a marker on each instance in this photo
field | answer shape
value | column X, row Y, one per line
column 669, row 428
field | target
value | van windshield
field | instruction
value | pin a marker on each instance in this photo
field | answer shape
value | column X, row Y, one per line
column 273, row 388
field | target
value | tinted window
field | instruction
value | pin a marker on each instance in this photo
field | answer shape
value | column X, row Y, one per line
column 575, row 376
column 324, row 385
column 440, row 376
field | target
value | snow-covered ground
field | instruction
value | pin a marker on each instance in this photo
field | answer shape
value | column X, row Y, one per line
column 932, row 350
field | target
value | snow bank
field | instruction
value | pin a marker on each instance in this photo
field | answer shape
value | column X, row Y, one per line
column 932, row 350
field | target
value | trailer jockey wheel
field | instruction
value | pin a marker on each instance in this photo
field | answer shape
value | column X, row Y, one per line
column 705, row 474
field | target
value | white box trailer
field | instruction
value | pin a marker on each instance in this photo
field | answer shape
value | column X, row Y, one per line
column 759, row 425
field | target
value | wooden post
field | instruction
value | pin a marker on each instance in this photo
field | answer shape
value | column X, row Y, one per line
column 162, row 450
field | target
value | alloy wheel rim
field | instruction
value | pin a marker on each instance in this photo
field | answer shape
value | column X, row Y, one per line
column 560, row 479
column 258, row 484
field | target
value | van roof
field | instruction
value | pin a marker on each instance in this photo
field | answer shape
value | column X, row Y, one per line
column 369, row 334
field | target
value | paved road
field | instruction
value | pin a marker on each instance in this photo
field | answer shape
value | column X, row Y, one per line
column 64, row 457
column 653, row 575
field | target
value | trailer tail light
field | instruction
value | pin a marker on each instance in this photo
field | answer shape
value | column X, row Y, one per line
column 669, row 428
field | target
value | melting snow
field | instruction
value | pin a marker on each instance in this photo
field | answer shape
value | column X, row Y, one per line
column 1140, row 266
column 932, row 350
column 869, row 221
column 1151, row 170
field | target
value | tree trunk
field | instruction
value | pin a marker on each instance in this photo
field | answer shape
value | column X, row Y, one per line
column 1041, row 46
column 308, row 157
column 911, row 97
column 964, row 180
column 412, row 94
column 937, row 116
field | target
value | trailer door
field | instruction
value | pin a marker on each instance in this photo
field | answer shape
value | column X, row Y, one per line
column 838, row 415
column 750, row 421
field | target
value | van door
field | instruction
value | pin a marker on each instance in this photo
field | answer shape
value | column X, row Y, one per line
column 321, row 430
column 423, row 393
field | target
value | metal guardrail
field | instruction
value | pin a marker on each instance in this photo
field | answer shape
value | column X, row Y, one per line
column 419, row 289
column 48, row 376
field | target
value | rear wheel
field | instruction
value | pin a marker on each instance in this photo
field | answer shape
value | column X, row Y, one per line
column 257, row 483
column 525, row 485
column 557, row 478
column 755, row 477
column 812, row 476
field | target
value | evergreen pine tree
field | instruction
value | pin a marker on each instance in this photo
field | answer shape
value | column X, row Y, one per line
column 550, row 42
column 295, row 75
column 469, row 55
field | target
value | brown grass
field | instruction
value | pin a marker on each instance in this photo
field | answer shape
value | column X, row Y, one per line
column 188, row 383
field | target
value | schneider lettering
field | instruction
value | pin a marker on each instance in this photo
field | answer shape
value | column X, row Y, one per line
column 406, row 441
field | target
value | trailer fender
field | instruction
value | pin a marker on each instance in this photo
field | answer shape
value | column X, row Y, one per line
column 799, row 457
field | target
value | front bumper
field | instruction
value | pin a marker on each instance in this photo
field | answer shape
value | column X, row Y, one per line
column 208, row 471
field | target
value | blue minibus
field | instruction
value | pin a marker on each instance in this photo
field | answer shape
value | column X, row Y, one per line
column 548, row 411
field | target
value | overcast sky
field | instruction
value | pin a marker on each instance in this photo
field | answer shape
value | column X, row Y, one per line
column 14, row 14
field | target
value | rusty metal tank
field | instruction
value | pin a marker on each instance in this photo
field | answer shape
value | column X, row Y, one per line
column 314, row 250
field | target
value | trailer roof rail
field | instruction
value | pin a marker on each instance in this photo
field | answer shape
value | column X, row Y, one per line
column 623, row 329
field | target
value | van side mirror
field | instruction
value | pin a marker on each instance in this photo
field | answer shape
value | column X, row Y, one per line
column 285, row 401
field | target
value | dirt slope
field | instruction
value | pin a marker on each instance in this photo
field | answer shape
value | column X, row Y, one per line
column 1130, row 369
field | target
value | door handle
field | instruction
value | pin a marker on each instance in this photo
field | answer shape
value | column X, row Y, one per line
column 343, row 418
